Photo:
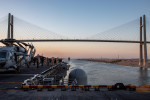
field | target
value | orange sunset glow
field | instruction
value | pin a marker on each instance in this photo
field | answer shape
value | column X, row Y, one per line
column 87, row 50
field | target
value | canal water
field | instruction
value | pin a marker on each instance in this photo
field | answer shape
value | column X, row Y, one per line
column 99, row 73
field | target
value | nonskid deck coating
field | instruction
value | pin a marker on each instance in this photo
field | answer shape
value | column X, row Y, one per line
column 72, row 95
column 12, row 79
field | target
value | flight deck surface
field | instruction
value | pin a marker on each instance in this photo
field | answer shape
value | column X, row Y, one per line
column 10, row 89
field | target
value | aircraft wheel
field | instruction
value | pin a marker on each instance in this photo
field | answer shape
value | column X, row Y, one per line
column 18, row 69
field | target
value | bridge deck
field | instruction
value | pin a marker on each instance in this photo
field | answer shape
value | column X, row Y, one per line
column 70, row 40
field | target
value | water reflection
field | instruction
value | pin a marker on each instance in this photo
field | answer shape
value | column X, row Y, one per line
column 143, row 76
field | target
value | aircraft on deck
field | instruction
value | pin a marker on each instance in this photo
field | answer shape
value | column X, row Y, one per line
column 15, row 54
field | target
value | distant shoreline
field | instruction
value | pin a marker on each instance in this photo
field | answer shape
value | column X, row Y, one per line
column 124, row 62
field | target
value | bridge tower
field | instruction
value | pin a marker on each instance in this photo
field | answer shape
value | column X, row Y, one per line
column 10, row 26
column 143, row 44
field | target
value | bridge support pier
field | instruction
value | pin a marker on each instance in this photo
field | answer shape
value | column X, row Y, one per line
column 143, row 43
column 12, row 22
column 10, row 26
column 8, row 36
column 141, row 46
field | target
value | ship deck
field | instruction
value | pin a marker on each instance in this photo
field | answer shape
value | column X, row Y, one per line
column 10, row 89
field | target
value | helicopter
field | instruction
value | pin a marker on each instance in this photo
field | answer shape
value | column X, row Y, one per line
column 15, row 53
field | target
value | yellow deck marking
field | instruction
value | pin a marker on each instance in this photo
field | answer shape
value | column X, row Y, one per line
column 25, row 86
column 40, row 86
column 81, row 86
column 142, row 89
column 54, row 86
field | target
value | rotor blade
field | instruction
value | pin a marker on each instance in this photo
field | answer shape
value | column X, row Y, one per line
column 19, row 44
column 25, row 44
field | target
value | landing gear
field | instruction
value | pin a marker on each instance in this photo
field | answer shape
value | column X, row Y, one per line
column 18, row 69
column 28, row 65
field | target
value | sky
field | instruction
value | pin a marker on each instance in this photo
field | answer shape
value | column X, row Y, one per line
column 79, row 18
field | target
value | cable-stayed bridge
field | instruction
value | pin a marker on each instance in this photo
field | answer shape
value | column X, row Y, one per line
column 16, row 29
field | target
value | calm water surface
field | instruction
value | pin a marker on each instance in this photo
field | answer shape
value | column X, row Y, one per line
column 104, row 73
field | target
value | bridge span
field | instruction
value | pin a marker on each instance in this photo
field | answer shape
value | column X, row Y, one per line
column 143, row 63
column 80, row 40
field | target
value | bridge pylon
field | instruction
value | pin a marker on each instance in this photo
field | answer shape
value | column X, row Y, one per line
column 143, row 44
column 10, row 26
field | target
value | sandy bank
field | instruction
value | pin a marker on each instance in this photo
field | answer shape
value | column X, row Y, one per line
column 125, row 62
